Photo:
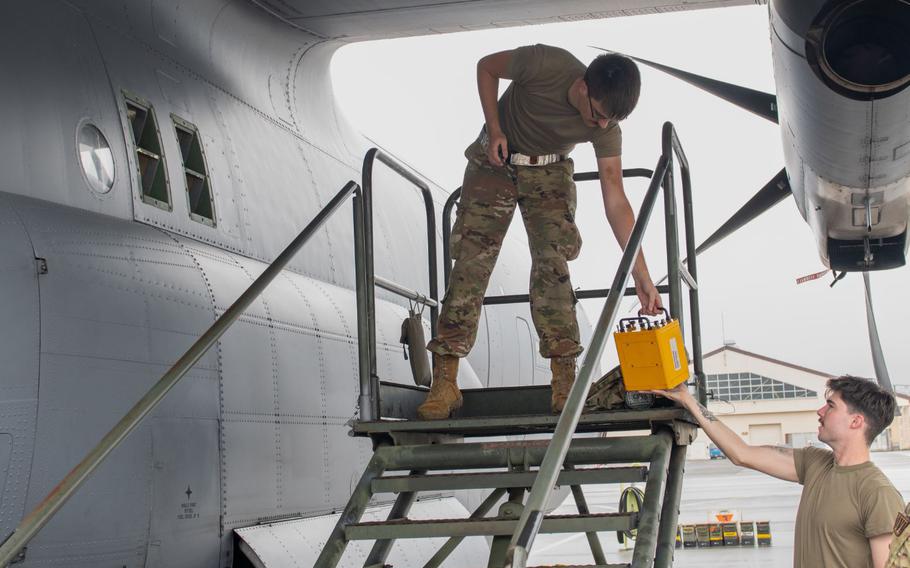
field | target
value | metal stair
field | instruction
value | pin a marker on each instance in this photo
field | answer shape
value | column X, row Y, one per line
column 413, row 456
column 508, row 469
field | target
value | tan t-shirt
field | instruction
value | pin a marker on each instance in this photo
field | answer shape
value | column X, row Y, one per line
column 841, row 508
column 535, row 114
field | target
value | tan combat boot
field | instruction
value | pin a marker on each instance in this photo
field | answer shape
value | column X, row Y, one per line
column 444, row 396
column 563, row 369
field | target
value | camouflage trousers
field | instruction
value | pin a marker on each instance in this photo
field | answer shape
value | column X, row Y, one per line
column 546, row 197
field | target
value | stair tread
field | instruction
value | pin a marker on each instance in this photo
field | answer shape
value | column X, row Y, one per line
column 404, row 522
column 630, row 469
column 524, row 424
column 491, row 479
column 407, row 528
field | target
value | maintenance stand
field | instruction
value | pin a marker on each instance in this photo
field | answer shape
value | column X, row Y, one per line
column 413, row 456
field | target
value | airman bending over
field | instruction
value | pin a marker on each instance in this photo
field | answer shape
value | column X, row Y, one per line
column 521, row 158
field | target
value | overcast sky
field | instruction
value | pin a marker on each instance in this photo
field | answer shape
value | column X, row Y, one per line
column 417, row 97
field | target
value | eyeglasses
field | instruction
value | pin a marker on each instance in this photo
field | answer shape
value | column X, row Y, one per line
column 595, row 114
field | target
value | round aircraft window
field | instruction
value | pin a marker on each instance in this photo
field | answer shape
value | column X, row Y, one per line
column 96, row 158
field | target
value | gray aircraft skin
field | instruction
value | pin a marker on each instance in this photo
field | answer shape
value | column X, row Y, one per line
column 104, row 285
column 841, row 70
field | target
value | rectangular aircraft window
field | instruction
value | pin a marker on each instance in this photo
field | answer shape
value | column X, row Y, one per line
column 149, row 158
column 198, row 192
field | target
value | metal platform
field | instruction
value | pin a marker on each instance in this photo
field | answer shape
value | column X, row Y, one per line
column 527, row 424
column 507, row 411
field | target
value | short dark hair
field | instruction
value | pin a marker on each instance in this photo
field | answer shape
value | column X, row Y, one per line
column 866, row 397
column 614, row 81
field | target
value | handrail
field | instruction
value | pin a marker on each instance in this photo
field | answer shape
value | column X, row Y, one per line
column 399, row 168
column 579, row 295
column 48, row 507
column 701, row 388
column 412, row 295
column 456, row 195
column 532, row 514
column 367, row 280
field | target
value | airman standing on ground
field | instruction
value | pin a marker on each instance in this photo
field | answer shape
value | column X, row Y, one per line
column 847, row 507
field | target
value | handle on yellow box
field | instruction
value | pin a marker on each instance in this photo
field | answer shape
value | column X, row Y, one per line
column 625, row 323
column 664, row 310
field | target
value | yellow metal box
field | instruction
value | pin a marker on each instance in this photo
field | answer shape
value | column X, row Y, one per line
column 652, row 354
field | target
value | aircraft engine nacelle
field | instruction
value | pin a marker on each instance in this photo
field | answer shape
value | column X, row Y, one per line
column 842, row 68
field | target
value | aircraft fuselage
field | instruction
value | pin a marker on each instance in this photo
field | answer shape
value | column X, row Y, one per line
column 155, row 159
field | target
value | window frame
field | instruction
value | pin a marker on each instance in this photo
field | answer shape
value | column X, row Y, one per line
column 737, row 387
column 190, row 128
column 129, row 99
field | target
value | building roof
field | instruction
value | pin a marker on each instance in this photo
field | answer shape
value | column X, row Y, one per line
column 768, row 359
column 784, row 363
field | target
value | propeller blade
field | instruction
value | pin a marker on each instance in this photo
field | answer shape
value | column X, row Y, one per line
column 757, row 102
column 878, row 356
column 767, row 197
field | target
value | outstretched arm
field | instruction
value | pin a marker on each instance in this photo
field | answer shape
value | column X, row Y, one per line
column 773, row 460
column 622, row 219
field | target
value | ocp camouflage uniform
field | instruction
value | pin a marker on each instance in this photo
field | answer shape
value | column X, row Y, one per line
column 546, row 197
column 607, row 392
column 899, row 555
